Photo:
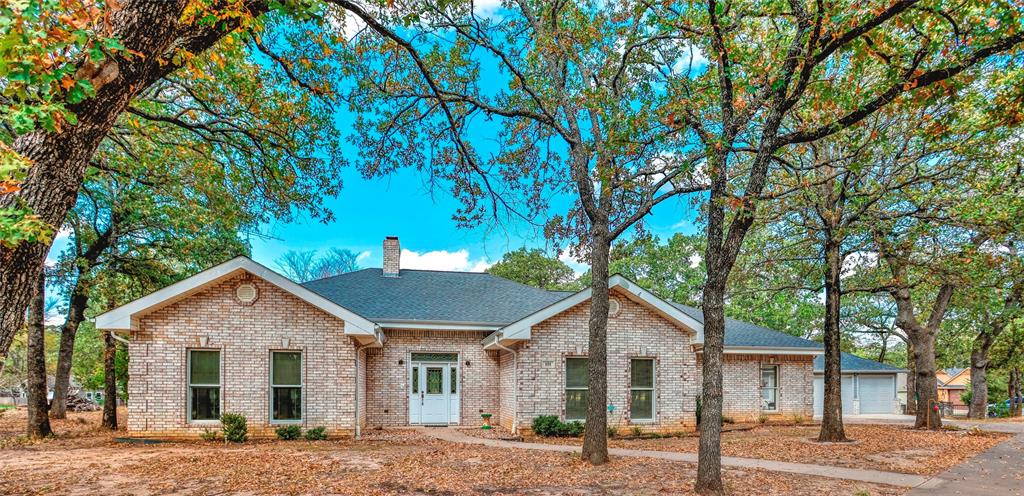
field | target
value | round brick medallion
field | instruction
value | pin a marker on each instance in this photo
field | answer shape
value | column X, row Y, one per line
column 246, row 293
column 614, row 307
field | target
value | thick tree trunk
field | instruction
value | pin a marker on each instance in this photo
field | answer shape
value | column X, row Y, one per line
column 109, row 381
column 832, row 412
column 1015, row 392
column 911, row 379
column 149, row 30
column 982, row 346
column 595, row 437
column 62, row 381
column 1018, row 394
column 979, row 378
column 38, row 418
column 709, row 456
column 926, row 384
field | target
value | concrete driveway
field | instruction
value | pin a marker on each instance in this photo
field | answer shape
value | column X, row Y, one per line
column 998, row 471
column 876, row 418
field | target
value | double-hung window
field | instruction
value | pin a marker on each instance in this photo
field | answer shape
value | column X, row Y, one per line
column 286, row 386
column 641, row 392
column 576, row 382
column 203, row 385
column 770, row 388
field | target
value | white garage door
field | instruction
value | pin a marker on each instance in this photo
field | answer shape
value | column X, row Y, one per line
column 847, row 394
column 819, row 394
column 877, row 393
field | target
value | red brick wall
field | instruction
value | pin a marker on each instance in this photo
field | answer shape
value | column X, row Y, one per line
column 634, row 332
column 245, row 334
column 388, row 381
column 741, row 385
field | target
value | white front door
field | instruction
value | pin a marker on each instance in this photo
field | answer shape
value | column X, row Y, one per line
column 434, row 393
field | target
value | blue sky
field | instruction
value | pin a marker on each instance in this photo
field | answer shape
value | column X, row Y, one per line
column 368, row 210
column 401, row 205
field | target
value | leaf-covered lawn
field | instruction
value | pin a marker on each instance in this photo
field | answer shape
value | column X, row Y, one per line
column 84, row 460
column 891, row 448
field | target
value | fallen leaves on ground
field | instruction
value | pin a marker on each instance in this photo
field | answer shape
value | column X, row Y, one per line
column 384, row 462
column 890, row 448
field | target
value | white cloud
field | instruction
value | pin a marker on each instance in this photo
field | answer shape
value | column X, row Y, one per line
column 579, row 267
column 348, row 23
column 458, row 261
column 694, row 60
column 54, row 318
column 363, row 255
column 856, row 261
column 486, row 8
column 685, row 222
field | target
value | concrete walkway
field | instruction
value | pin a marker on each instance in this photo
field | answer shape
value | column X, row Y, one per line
column 997, row 471
column 875, row 476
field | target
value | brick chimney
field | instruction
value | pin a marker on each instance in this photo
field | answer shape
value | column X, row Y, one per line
column 392, row 251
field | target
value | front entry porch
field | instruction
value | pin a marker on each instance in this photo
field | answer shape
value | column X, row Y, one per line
column 434, row 389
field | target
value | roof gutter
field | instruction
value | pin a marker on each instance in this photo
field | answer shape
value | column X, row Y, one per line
column 515, row 381
column 442, row 325
column 766, row 350
column 359, row 349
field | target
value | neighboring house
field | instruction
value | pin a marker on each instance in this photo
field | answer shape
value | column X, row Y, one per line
column 952, row 383
column 396, row 347
column 868, row 387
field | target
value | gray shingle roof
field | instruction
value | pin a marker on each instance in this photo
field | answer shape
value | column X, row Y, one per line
column 854, row 363
column 481, row 298
column 434, row 296
column 739, row 333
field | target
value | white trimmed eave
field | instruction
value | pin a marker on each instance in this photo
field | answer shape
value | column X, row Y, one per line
column 438, row 325
column 766, row 350
column 522, row 329
column 126, row 317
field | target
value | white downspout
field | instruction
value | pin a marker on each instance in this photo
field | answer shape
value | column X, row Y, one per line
column 359, row 348
column 515, row 386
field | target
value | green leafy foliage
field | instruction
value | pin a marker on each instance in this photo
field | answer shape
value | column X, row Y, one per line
column 316, row 434
column 535, row 268
column 18, row 225
column 209, row 435
column 234, row 427
column 46, row 49
column 288, row 432
column 552, row 426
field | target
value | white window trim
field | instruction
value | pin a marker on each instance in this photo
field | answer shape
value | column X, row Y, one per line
column 653, row 389
column 189, row 385
column 301, row 386
column 565, row 386
column 761, row 387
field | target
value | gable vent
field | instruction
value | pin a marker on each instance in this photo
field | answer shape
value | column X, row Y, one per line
column 614, row 307
column 246, row 293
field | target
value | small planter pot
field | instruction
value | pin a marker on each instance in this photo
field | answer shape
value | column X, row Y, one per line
column 487, row 420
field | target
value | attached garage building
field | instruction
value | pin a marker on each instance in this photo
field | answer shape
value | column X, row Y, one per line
column 868, row 386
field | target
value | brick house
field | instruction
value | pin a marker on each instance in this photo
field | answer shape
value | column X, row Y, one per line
column 397, row 347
